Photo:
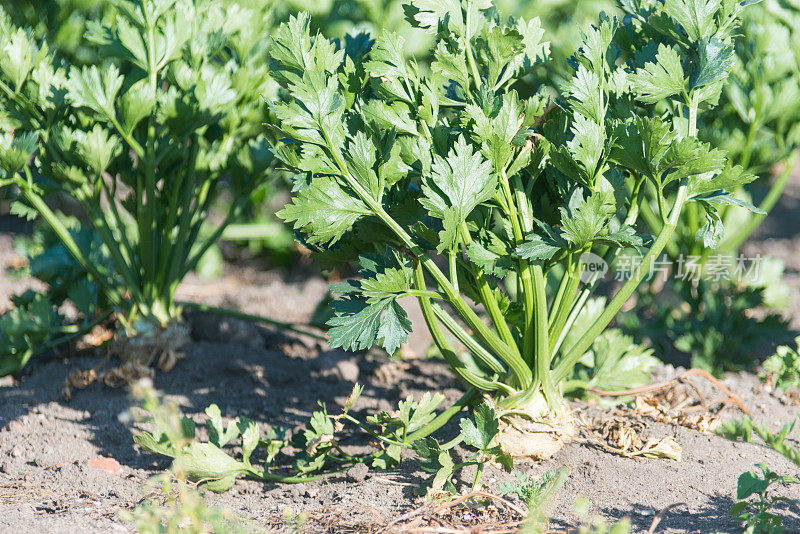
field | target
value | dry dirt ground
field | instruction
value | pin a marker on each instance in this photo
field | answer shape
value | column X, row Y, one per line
column 47, row 484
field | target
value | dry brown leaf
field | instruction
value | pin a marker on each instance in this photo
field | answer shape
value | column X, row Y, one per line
column 662, row 448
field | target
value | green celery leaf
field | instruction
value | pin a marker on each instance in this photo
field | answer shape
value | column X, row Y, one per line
column 96, row 90
column 695, row 16
column 583, row 220
column 16, row 150
column 394, row 328
column 715, row 62
column 690, row 157
column 18, row 54
column 395, row 115
column 325, row 210
column 659, row 80
column 358, row 324
column 481, row 433
column 459, row 183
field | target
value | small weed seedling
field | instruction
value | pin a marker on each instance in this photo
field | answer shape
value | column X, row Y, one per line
column 535, row 494
column 177, row 505
column 479, row 434
column 756, row 515
column 598, row 525
column 778, row 441
column 451, row 187
column 782, row 369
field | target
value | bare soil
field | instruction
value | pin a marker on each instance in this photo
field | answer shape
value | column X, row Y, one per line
column 46, row 482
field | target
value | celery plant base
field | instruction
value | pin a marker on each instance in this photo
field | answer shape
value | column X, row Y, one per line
column 535, row 431
column 151, row 344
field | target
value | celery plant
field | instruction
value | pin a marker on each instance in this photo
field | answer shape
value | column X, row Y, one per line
column 142, row 141
column 757, row 122
column 450, row 187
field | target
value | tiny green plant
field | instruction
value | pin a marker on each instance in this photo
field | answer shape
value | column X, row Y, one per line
column 756, row 515
column 782, row 369
column 177, row 505
column 317, row 449
column 450, row 187
column 535, row 494
column 745, row 429
column 479, row 434
column 596, row 524
column 142, row 143
column 209, row 461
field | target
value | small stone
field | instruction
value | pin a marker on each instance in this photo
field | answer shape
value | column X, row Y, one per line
column 348, row 370
column 15, row 426
column 311, row 493
column 358, row 473
column 109, row 465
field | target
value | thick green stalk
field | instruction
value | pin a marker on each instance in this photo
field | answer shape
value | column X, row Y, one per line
column 488, row 299
column 609, row 257
column 508, row 354
column 468, row 46
column 168, row 256
column 565, row 365
column 655, row 224
column 563, row 305
column 148, row 246
column 126, row 270
column 526, row 277
column 542, row 354
column 119, row 222
column 449, row 354
column 467, row 340
column 66, row 238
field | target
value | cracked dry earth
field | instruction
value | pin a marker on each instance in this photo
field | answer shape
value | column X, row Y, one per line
column 48, row 483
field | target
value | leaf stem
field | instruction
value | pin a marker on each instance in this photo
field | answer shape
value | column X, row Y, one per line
column 449, row 354
column 440, row 420
column 508, row 354
column 730, row 246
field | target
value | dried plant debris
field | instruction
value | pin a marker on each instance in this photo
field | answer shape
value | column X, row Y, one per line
column 678, row 408
column 622, row 435
column 139, row 354
column 474, row 512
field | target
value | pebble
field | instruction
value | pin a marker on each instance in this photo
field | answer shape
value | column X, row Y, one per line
column 15, row 426
column 348, row 370
column 358, row 473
